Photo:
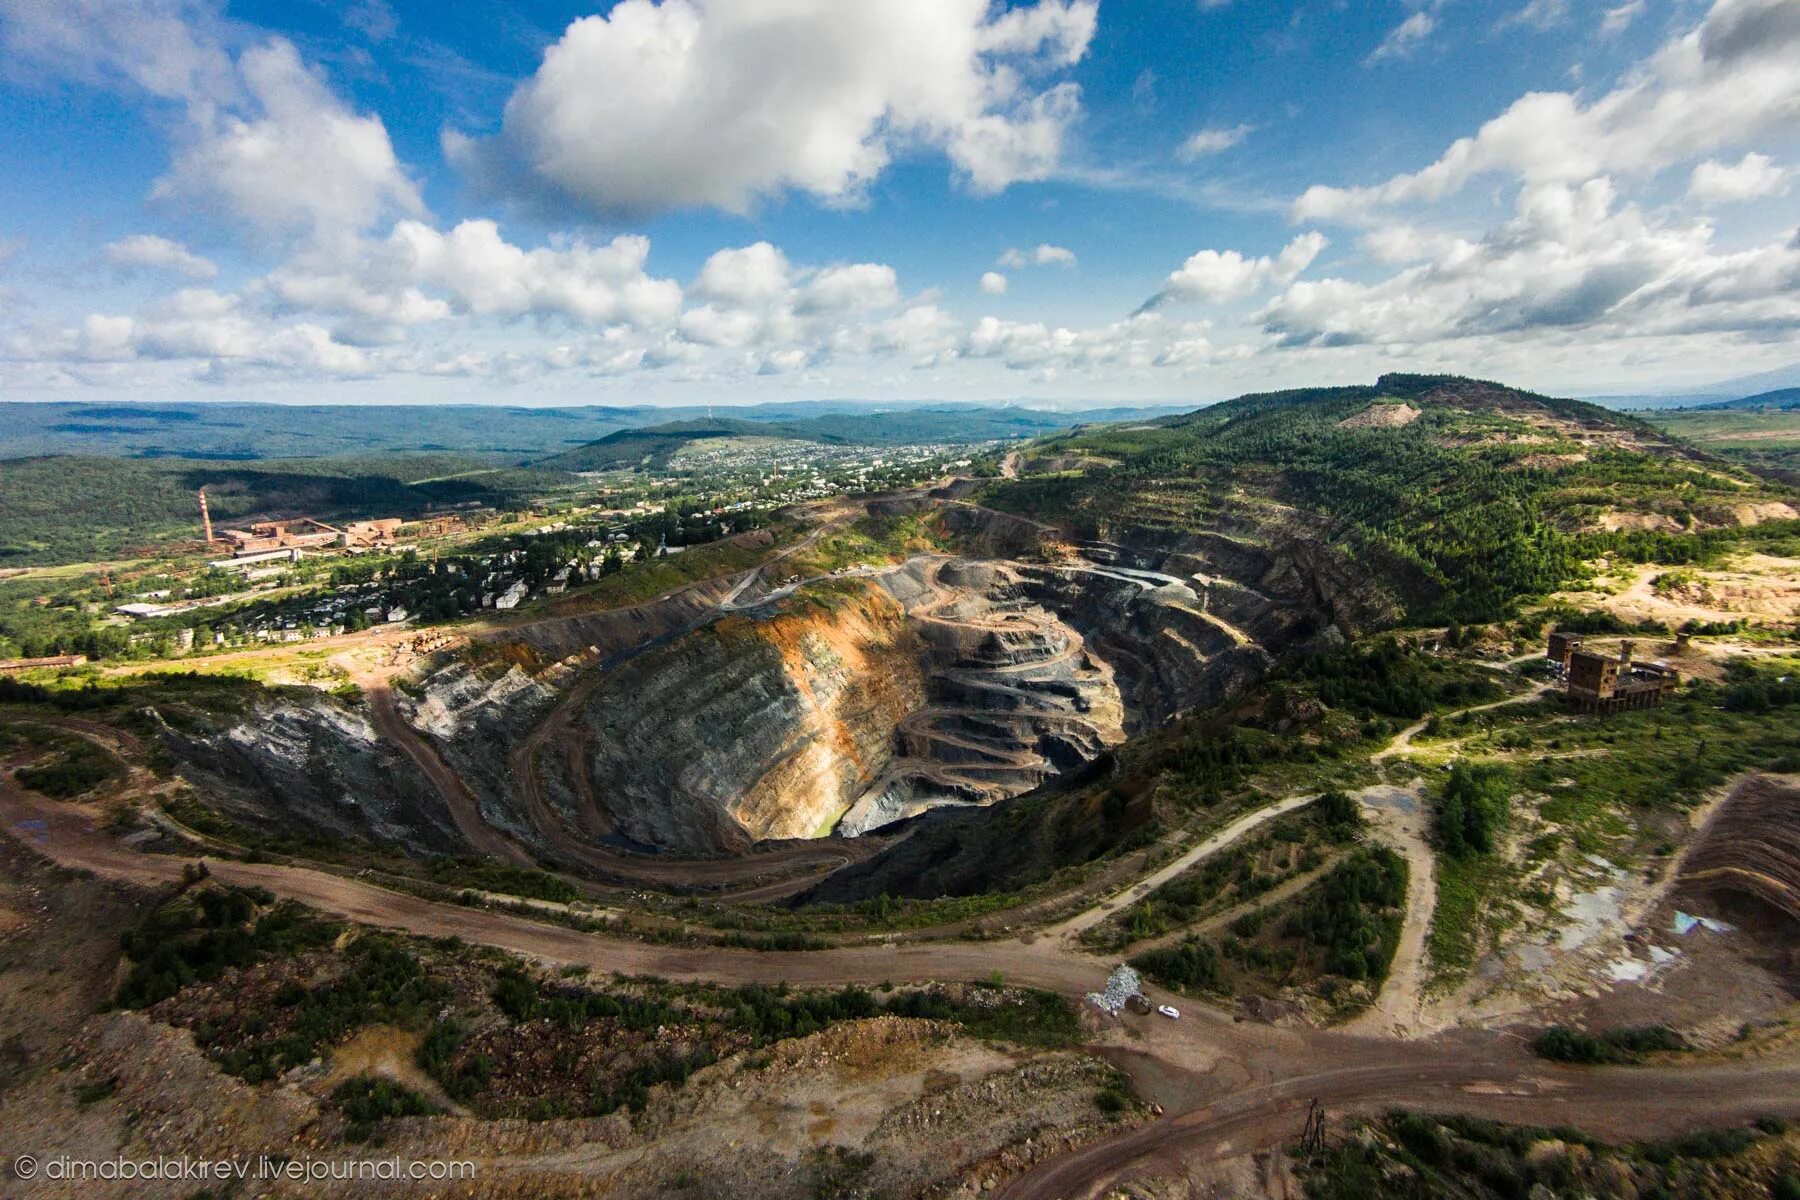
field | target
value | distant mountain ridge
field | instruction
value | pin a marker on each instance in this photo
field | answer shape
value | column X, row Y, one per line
column 1783, row 398
column 233, row 430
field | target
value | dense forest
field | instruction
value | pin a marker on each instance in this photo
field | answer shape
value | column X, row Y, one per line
column 57, row 510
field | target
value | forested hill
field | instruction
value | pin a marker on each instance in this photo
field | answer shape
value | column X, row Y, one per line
column 654, row 445
column 1782, row 398
column 1461, row 496
column 77, row 508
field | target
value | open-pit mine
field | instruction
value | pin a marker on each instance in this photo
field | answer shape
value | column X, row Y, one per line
column 779, row 720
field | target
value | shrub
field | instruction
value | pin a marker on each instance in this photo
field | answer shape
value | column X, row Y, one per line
column 368, row 1099
column 1560, row 1043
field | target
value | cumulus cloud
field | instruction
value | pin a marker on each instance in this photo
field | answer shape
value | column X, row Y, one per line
column 1213, row 141
column 1571, row 260
column 295, row 158
column 1141, row 342
column 1731, row 79
column 1755, row 176
column 146, row 250
column 1215, row 276
column 265, row 140
column 753, row 297
column 685, row 103
column 1045, row 255
column 209, row 328
column 993, row 283
column 419, row 273
column 1404, row 38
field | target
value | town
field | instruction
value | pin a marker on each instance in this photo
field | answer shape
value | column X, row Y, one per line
column 300, row 577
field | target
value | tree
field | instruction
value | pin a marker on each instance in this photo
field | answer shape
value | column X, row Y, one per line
column 1471, row 809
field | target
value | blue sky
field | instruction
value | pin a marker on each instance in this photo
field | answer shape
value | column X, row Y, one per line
column 742, row 200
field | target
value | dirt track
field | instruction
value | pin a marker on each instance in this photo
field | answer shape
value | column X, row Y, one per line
column 1229, row 1086
column 1227, row 836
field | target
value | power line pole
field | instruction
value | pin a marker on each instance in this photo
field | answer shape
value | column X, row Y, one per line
column 1312, row 1141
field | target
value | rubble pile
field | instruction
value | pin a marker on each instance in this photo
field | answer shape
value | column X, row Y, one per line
column 1121, row 986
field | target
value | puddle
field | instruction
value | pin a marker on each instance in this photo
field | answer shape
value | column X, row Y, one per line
column 1532, row 958
column 1686, row 923
column 1589, row 914
column 1386, row 796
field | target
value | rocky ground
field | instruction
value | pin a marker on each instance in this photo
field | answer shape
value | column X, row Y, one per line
column 886, row 1106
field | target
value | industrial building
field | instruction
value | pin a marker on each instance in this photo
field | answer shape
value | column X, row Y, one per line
column 1603, row 683
column 13, row 666
column 303, row 533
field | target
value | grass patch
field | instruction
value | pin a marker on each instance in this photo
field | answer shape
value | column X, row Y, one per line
column 73, row 766
column 1335, row 941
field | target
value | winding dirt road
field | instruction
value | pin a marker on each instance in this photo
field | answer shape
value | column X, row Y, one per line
column 1229, row 1087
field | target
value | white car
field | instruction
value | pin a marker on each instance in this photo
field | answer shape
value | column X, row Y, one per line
column 1169, row 1011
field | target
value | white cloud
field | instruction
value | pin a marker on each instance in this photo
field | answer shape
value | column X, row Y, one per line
column 1537, row 14
column 198, row 326
column 168, row 48
column 265, row 139
column 1403, row 243
column 754, row 297
column 1045, row 255
column 1216, row 276
column 859, row 287
column 1733, row 78
column 149, row 250
column 747, row 277
column 1618, row 19
column 718, row 103
column 993, row 283
column 1755, row 176
column 1213, row 141
column 296, row 159
column 1570, row 263
column 419, row 273
column 1404, row 38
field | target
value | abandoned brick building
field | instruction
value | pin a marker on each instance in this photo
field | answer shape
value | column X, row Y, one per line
column 1603, row 683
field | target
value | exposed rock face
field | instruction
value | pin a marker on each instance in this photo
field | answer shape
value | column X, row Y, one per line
column 475, row 715
column 750, row 729
column 1751, row 847
column 1014, row 695
column 306, row 767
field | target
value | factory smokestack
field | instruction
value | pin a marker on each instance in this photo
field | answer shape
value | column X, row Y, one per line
column 1625, row 649
column 205, row 517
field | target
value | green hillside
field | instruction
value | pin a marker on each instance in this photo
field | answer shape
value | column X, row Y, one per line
column 656, row 445
column 653, row 446
column 1458, row 495
column 73, row 509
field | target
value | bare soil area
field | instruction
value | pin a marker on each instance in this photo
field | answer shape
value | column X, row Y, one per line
column 1762, row 588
